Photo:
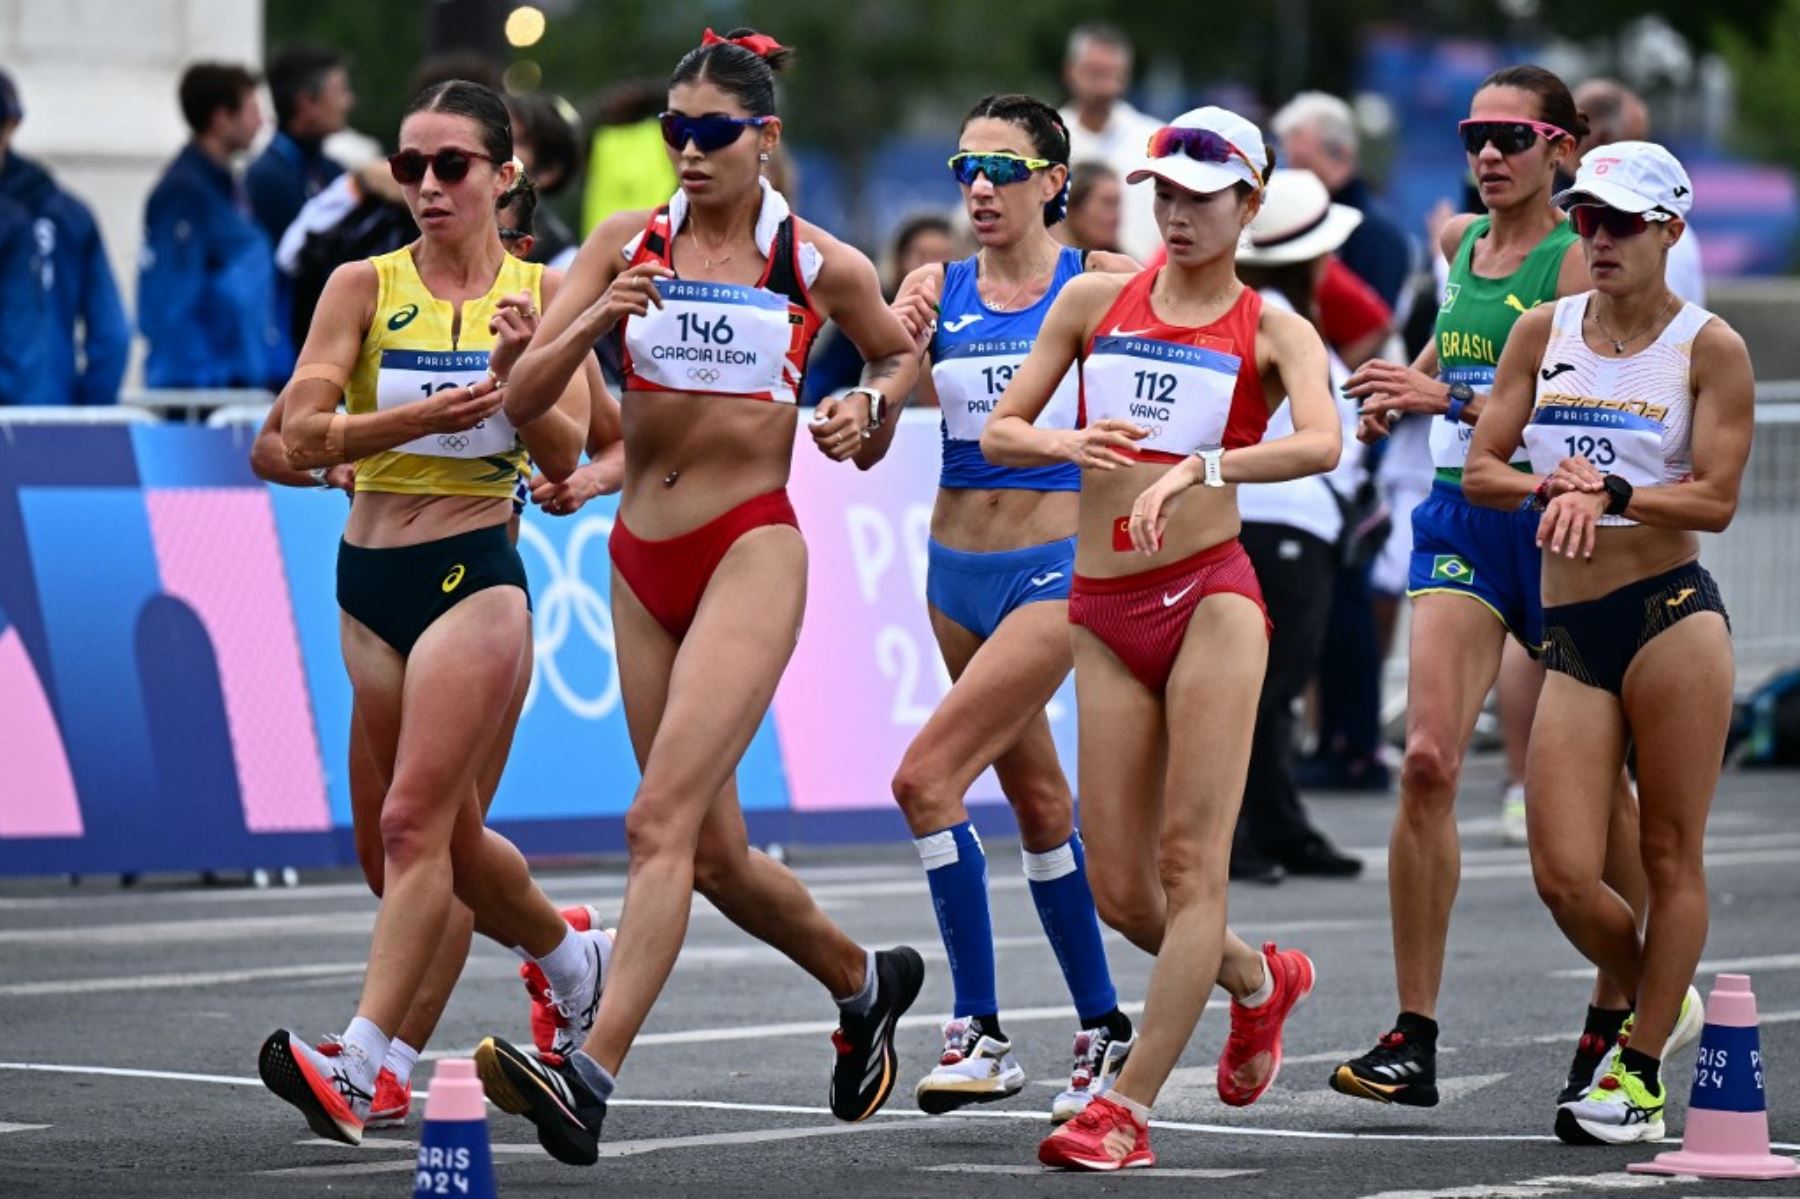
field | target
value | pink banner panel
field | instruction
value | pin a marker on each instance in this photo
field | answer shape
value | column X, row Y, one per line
column 37, row 792
column 217, row 551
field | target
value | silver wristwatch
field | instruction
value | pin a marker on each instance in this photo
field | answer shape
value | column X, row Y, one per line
column 877, row 408
column 1210, row 457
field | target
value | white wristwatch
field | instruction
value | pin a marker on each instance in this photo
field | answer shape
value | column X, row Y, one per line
column 1210, row 457
column 877, row 408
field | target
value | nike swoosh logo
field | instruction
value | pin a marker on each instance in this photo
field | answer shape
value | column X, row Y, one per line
column 1042, row 580
column 961, row 323
column 1118, row 332
column 1169, row 601
column 1680, row 599
column 1550, row 372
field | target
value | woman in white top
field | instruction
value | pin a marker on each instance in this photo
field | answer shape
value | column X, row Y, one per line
column 1637, row 410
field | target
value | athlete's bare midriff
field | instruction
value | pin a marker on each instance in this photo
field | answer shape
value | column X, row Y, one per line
column 1203, row 517
column 691, row 458
column 1623, row 554
column 991, row 519
column 382, row 520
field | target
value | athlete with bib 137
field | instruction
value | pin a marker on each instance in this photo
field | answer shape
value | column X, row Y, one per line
column 1180, row 368
column 1637, row 410
column 720, row 293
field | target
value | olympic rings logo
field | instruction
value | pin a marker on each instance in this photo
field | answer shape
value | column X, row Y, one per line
column 569, row 601
column 453, row 441
column 702, row 374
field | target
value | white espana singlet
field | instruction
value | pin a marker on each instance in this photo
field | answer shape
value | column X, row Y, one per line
column 1630, row 416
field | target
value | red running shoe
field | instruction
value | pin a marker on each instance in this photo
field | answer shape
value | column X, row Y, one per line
column 1252, row 1054
column 544, row 1020
column 392, row 1103
column 1103, row 1137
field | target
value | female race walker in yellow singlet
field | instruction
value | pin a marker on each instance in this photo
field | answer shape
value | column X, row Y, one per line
column 720, row 293
column 1180, row 368
column 435, row 618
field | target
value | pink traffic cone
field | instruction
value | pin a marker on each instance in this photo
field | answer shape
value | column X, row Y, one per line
column 1727, row 1134
column 454, row 1157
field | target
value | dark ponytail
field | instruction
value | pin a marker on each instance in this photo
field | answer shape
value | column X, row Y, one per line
column 479, row 104
column 1043, row 125
column 1556, row 104
column 746, row 73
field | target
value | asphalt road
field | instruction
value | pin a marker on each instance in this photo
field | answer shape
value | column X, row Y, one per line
column 129, row 1023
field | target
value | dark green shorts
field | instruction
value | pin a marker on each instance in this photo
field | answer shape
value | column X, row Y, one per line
column 399, row 592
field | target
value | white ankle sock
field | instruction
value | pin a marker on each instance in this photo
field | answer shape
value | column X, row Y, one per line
column 1139, row 1111
column 1263, row 993
column 859, row 1003
column 372, row 1046
column 400, row 1060
column 520, row 952
column 567, row 965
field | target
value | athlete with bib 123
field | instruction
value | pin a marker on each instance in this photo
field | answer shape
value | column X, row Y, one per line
column 435, row 616
column 1474, row 574
column 1180, row 368
column 1637, row 411
column 1002, row 555
column 720, row 293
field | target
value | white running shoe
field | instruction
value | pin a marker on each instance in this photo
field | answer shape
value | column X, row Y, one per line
column 1512, row 815
column 576, row 1012
column 1098, row 1060
column 974, row 1068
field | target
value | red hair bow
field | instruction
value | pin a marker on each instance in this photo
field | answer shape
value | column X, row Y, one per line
column 759, row 44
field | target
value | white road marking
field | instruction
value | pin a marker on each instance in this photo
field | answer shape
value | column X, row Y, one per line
column 1041, row 1171
column 1777, row 961
column 1534, row 1188
column 6, row 1128
column 166, row 982
column 1198, row 1084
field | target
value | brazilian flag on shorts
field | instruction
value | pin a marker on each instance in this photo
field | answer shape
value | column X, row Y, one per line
column 1451, row 568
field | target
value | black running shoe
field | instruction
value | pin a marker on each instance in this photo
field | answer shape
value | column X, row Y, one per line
column 547, row 1091
column 863, row 1076
column 1397, row 1070
column 1583, row 1070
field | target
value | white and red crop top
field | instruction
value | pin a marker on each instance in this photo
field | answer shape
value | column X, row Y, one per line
column 726, row 339
column 1193, row 387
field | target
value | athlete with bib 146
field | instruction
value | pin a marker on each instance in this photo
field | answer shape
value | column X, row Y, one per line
column 1474, row 575
column 1180, row 368
column 720, row 293
column 1637, row 410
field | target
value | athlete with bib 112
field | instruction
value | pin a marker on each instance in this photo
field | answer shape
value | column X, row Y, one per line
column 1474, row 574
column 1637, row 410
column 1002, row 554
column 720, row 292
column 1180, row 368
column 435, row 620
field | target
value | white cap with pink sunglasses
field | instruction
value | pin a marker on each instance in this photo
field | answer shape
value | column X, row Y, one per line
column 1631, row 177
column 1205, row 150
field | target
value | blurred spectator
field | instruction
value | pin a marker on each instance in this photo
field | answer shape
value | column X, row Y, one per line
column 921, row 239
column 1317, row 133
column 1096, row 197
column 206, row 279
column 1615, row 113
column 59, row 245
column 628, row 165
column 456, row 64
column 544, row 138
column 311, row 89
column 1103, row 127
column 516, row 215
column 360, row 214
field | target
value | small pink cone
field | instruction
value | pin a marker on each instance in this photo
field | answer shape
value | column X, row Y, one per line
column 454, row 1157
column 1727, row 1134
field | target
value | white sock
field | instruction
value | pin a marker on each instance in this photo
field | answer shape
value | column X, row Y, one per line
column 864, row 999
column 400, row 1060
column 567, row 965
column 1262, row 993
column 522, row 953
column 372, row 1044
column 1139, row 1111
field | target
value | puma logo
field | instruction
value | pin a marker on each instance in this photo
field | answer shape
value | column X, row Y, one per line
column 1680, row 598
column 1550, row 372
column 1514, row 303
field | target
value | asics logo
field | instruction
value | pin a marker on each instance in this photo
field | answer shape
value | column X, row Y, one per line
column 1169, row 601
column 1550, row 372
column 1120, row 331
column 454, row 579
column 1044, row 580
column 1681, row 598
column 961, row 322
column 403, row 317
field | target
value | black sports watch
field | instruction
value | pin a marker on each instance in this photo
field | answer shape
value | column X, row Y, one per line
column 1618, row 494
column 1460, row 395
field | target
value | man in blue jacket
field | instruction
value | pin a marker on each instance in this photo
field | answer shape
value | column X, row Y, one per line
column 206, row 281
column 86, row 338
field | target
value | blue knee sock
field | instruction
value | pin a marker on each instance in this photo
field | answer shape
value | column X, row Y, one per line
column 1059, row 887
column 956, row 869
